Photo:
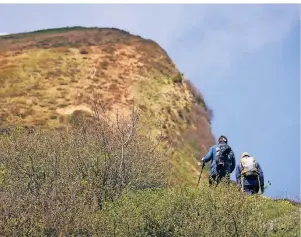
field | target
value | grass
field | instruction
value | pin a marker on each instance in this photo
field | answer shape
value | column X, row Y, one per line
column 54, row 74
column 53, row 116
column 104, row 65
column 178, row 78
column 30, row 79
column 188, row 211
column 48, row 31
column 155, row 94
column 104, row 177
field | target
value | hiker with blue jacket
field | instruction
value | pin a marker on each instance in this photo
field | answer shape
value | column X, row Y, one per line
column 222, row 161
column 249, row 175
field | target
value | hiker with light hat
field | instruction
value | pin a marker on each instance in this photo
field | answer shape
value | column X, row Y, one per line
column 249, row 175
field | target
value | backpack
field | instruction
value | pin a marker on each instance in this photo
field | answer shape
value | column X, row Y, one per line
column 222, row 155
column 248, row 165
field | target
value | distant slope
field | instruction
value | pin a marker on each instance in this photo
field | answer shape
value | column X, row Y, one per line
column 47, row 75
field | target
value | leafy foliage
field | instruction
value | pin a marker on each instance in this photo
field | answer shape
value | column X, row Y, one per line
column 52, row 181
column 104, row 177
column 188, row 211
column 177, row 78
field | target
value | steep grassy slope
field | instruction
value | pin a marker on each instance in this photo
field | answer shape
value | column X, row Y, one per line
column 55, row 184
column 48, row 76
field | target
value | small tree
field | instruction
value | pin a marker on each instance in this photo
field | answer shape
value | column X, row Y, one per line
column 56, row 181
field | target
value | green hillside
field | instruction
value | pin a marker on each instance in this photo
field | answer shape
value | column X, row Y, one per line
column 100, row 132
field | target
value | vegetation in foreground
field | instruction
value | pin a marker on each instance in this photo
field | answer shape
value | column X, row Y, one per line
column 107, row 178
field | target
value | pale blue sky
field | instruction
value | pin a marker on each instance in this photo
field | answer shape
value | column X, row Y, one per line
column 244, row 58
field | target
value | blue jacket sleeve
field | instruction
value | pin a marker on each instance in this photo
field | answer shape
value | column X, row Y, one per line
column 238, row 174
column 209, row 155
column 261, row 177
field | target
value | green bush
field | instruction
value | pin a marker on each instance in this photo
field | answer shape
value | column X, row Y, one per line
column 188, row 211
column 106, row 178
column 104, row 65
column 178, row 78
column 56, row 182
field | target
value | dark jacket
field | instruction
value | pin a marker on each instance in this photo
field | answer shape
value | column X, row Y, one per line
column 209, row 157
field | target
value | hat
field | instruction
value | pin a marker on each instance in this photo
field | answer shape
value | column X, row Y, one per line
column 245, row 154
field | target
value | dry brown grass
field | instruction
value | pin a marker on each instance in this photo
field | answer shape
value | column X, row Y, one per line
column 63, row 70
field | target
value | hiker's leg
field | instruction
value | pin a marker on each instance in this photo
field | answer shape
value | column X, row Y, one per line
column 227, row 178
column 251, row 189
column 221, row 176
column 247, row 189
column 212, row 179
column 218, row 179
column 255, row 189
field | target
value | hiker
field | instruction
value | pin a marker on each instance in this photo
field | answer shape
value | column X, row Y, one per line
column 222, row 161
column 249, row 175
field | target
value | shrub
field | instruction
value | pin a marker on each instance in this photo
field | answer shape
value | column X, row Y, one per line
column 178, row 78
column 188, row 211
column 104, row 177
column 83, row 51
column 104, row 65
column 109, row 50
column 199, row 100
column 57, row 182
column 53, row 116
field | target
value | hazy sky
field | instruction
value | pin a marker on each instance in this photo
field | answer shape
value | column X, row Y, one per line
column 245, row 59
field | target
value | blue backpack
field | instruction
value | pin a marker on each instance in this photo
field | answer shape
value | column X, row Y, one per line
column 222, row 155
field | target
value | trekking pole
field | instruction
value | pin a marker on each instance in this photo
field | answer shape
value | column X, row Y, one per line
column 266, row 186
column 203, row 165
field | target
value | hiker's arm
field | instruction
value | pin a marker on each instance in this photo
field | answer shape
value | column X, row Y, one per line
column 261, row 177
column 238, row 174
column 232, row 156
column 209, row 155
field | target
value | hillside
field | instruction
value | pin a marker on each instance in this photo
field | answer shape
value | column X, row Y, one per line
column 74, row 177
column 49, row 76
